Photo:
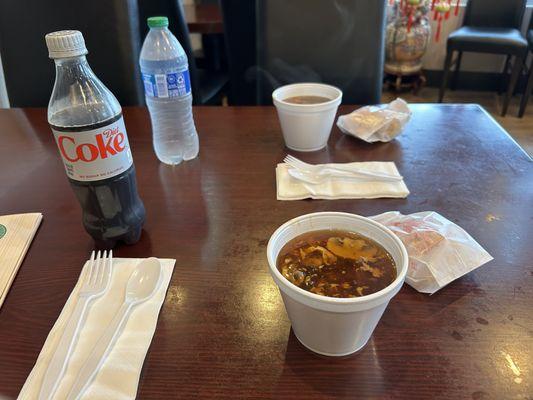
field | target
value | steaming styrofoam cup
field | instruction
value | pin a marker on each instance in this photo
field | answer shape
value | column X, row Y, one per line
column 329, row 325
column 306, row 127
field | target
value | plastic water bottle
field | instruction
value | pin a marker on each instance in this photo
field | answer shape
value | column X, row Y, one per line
column 167, row 86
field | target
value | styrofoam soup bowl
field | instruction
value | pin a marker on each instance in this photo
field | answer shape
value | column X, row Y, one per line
column 306, row 127
column 329, row 325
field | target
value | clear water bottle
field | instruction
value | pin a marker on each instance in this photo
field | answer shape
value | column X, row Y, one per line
column 167, row 86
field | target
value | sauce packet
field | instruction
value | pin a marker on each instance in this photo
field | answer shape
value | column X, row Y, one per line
column 376, row 123
column 439, row 250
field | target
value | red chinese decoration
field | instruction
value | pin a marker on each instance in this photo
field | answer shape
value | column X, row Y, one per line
column 442, row 10
column 412, row 10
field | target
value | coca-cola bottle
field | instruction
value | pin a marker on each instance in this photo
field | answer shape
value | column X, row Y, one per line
column 87, row 123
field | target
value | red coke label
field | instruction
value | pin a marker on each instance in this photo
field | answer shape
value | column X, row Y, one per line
column 94, row 154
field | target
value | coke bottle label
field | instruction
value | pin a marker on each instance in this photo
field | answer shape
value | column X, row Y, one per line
column 94, row 154
column 170, row 84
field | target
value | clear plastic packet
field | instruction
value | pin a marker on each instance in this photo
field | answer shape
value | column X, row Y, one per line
column 376, row 123
column 439, row 250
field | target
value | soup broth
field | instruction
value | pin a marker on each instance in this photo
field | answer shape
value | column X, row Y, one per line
column 306, row 99
column 336, row 263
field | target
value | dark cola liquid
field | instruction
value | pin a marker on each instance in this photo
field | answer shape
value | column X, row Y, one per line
column 112, row 209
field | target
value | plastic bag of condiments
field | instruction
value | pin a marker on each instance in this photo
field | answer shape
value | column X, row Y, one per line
column 439, row 250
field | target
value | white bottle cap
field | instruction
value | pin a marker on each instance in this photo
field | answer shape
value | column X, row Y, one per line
column 62, row 44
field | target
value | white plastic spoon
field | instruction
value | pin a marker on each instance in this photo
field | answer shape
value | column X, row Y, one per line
column 142, row 284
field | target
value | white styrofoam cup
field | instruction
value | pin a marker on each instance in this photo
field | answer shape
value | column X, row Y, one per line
column 328, row 325
column 306, row 127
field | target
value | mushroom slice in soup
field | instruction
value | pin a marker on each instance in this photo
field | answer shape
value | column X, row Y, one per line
column 352, row 249
column 315, row 256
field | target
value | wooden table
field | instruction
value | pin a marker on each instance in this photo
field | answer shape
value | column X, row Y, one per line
column 204, row 18
column 223, row 331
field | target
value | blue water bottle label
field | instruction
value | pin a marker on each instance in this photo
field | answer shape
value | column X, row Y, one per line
column 171, row 84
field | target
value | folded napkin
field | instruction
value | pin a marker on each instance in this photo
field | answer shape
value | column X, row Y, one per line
column 16, row 233
column 118, row 378
column 289, row 188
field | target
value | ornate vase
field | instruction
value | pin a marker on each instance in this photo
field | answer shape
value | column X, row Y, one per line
column 406, row 41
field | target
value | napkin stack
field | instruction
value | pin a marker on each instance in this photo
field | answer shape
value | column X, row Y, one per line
column 289, row 188
column 118, row 378
column 16, row 234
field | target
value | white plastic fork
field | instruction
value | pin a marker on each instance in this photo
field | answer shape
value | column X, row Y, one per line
column 95, row 282
column 338, row 170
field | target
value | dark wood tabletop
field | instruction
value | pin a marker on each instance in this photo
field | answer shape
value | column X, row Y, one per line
column 204, row 18
column 223, row 331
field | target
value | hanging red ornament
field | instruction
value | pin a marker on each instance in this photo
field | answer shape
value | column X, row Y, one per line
column 441, row 8
column 411, row 11
column 447, row 15
column 437, row 35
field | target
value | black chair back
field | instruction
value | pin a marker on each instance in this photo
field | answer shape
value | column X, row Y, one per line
column 173, row 10
column 110, row 29
column 495, row 13
column 271, row 43
column 240, row 40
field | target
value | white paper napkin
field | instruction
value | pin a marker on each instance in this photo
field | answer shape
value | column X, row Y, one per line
column 16, row 233
column 289, row 188
column 119, row 376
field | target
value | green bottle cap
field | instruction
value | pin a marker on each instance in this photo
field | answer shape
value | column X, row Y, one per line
column 157, row 22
